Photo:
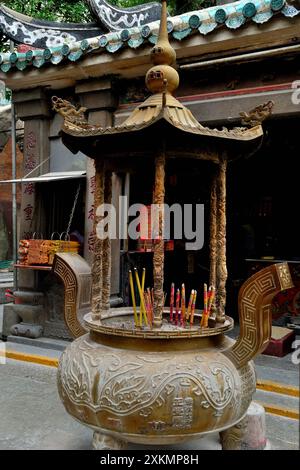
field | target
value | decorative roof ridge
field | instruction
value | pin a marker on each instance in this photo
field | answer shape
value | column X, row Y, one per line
column 232, row 16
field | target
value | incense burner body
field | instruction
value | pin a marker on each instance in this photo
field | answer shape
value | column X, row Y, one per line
column 166, row 386
column 155, row 391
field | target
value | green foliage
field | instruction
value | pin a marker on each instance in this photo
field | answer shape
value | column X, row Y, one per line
column 77, row 11
column 175, row 7
column 53, row 10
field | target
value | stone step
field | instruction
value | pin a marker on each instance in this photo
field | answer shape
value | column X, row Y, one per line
column 278, row 403
column 278, row 374
column 41, row 343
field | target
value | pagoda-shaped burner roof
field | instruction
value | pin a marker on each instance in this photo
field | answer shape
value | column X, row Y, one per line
column 154, row 110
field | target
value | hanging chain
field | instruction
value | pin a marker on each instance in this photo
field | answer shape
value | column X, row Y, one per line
column 73, row 210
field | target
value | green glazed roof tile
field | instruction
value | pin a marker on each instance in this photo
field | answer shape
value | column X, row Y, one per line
column 231, row 16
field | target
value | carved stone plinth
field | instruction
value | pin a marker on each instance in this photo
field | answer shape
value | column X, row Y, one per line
column 255, row 435
column 27, row 330
column 106, row 442
column 249, row 433
column 29, row 307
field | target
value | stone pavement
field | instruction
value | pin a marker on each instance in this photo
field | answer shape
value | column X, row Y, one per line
column 32, row 416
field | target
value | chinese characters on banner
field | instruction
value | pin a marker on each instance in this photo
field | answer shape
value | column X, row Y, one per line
column 90, row 212
column 31, row 160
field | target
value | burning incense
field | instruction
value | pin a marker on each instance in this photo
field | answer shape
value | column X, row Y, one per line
column 142, row 306
column 193, row 308
column 136, row 321
column 211, row 299
column 177, row 306
column 172, row 301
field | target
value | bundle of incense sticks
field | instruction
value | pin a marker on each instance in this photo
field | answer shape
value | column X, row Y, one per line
column 149, row 304
column 146, row 300
column 182, row 314
column 209, row 298
column 138, row 320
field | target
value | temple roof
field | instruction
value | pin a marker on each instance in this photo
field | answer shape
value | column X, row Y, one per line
column 231, row 16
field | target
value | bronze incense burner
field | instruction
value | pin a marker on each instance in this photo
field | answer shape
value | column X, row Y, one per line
column 162, row 387
column 166, row 384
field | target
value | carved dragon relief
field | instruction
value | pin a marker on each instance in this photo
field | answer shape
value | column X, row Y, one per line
column 125, row 385
column 257, row 115
column 70, row 113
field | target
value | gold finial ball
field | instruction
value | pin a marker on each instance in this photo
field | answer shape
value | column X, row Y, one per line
column 162, row 78
column 163, row 53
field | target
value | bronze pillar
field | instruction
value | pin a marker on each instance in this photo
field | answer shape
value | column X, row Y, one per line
column 159, row 254
column 98, row 246
column 106, row 250
column 221, row 268
column 213, row 232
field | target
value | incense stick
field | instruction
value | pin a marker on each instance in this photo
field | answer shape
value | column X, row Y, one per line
column 148, row 308
column 211, row 299
column 207, row 306
column 150, row 304
column 142, row 289
column 182, row 314
column 189, row 309
column 172, row 301
column 193, row 308
column 177, row 306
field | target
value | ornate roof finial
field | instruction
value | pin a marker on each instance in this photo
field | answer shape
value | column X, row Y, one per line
column 162, row 77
